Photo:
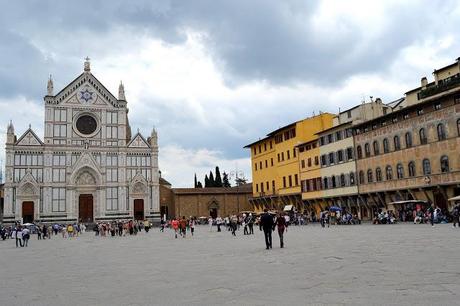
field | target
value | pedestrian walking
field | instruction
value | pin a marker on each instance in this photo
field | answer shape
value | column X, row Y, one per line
column 266, row 223
column 183, row 227
column 175, row 226
column 282, row 225
column 431, row 210
column 251, row 224
column 456, row 215
column 210, row 220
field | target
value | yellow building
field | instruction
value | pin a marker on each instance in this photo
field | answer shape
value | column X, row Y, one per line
column 310, row 173
column 275, row 162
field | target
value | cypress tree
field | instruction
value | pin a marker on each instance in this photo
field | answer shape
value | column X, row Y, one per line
column 212, row 182
column 198, row 185
column 225, row 181
column 218, row 178
column 196, row 182
column 206, row 181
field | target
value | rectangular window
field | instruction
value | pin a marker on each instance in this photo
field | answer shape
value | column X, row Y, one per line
column 294, row 153
column 282, row 156
column 58, row 200
column 303, row 163
column 290, row 180
column 260, row 149
column 265, row 146
column 271, row 145
column 309, row 162
column 284, row 181
column 112, row 198
column 262, row 187
column 59, row 175
column 288, row 154
column 257, row 187
column 60, row 130
column 279, row 157
column 267, row 186
column 266, row 163
column 296, row 179
column 59, row 160
column 316, row 160
column 112, row 174
column 349, row 153
column 260, row 164
column 338, row 135
column 112, row 132
column 273, row 186
column 112, row 118
column 255, row 166
column 60, row 115
column 271, row 160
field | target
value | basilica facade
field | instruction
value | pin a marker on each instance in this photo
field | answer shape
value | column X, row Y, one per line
column 88, row 167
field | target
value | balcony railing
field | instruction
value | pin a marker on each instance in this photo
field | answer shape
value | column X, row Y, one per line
column 443, row 85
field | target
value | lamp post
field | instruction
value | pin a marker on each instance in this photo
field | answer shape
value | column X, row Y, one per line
column 239, row 179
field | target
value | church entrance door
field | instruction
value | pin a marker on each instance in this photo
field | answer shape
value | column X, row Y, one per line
column 27, row 212
column 138, row 209
column 85, row 208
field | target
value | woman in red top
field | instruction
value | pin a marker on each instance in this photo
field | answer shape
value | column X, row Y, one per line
column 175, row 226
column 183, row 226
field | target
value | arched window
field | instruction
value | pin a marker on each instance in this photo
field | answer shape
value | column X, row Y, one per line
column 389, row 172
column 359, row 152
column 400, row 171
column 444, row 164
column 408, row 140
column 411, row 168
column 361, row 177
column 378, row 174
column 334, row 184
column 426, row 166
column 441, row 132
column 369, row 176
column 367, row 150
column 376, row 148
column 423, row 139
column 458, row 127
column 325, row 183
column 386, row 146
column 352, row 178
column 397, row 143
column 342, row 180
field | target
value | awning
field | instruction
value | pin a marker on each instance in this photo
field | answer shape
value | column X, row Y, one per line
column 288, row 207
column 408, row 202
column 457, row 198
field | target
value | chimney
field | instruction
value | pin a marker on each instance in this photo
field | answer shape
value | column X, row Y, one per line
column 424, row 82
column 435, row 74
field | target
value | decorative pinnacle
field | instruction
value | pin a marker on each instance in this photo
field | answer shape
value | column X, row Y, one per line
column 87, row 67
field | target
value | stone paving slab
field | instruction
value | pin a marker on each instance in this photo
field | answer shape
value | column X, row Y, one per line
column 403, row 264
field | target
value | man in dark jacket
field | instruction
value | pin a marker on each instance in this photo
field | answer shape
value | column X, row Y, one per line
column 267, row 224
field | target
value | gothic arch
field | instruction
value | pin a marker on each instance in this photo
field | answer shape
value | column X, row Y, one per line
column 86, row 175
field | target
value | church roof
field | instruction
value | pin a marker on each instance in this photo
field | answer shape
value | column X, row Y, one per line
column 37, row 142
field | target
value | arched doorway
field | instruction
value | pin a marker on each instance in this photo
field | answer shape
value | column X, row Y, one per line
column 138, row 209
column 27, row 212
column 85, row 208
column 213, row 209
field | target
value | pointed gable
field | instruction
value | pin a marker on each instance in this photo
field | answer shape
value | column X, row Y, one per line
column 85, row 89
column 138, row 142
column 29, row 138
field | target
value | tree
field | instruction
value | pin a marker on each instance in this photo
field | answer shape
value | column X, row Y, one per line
column 212, row 182
column 206, row 181
column 196, row 182
column 198, row 185
column 218, row 182
column 225, row 181
column 240, row 181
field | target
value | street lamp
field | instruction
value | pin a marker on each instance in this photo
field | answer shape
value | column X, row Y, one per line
column 239, row 180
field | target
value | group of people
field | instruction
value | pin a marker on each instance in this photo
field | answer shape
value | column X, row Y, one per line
column 181, row 225
column 268, row 223
column 121, row 228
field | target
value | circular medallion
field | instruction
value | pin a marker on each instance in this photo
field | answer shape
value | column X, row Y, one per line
column 86, row 124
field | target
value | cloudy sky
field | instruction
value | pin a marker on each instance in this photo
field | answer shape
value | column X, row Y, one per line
column 213, row 76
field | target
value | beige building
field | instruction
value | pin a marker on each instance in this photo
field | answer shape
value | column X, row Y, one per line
column 199, row 202
column 413, row 153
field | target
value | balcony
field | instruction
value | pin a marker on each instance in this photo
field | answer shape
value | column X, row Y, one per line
column 443, row 85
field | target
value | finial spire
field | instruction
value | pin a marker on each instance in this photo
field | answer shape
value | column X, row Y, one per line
column 50, row 86
column 87, row 65
column 121, row 92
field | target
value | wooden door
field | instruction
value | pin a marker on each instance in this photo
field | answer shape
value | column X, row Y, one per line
column 86, row 208
column 139, row 209
column 27, row 212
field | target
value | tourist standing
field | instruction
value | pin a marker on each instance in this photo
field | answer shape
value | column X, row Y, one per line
column 175, row 226
column 431, row 210
column 25, row 236
column 17, row 233
column 210, row 220
column 183, row 226
column 219, row 223
column 251, row 224
column 192, row 225
column 282, row 225
column 266, row 223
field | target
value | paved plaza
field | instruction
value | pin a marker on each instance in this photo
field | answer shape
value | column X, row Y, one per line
column 352, row 265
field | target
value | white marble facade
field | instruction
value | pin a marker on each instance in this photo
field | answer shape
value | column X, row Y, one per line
column 88, row 167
